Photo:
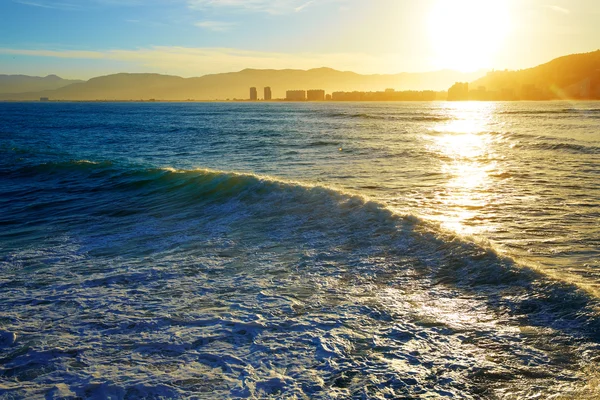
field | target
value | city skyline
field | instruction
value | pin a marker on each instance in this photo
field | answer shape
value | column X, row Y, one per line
column 197, row 37
column 573, row 76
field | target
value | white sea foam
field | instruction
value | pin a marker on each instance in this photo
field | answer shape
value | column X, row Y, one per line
column 131, row 281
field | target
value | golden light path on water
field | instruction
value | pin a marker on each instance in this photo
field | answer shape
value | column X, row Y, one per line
column 471, row 157
column 469, row 160
column 192, row 278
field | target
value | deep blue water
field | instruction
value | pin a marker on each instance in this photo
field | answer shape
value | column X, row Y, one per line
column 273, row 250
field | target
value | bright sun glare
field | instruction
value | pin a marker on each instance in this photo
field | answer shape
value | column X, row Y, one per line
column 467, row 34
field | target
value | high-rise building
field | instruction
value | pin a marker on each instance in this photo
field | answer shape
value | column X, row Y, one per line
column 253, row 94
column 315, row 95
column 268, row 94
column 459, row 91
column 296, row 95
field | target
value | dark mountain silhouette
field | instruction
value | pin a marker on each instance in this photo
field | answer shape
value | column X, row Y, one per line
column 573, row 76
column 24, row 83
column 237, row 84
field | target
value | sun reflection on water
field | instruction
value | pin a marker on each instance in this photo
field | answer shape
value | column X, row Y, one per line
column 465, row 147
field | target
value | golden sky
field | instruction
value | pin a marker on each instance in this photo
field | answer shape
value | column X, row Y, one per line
column 85, row 38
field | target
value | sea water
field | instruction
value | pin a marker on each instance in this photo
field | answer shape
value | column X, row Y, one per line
column 300, row 250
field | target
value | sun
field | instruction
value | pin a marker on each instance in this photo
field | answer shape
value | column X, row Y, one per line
column 466, row 35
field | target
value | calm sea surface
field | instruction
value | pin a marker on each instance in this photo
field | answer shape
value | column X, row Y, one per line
column 287, row 250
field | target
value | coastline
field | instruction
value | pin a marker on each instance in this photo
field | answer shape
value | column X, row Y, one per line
column 303, row 102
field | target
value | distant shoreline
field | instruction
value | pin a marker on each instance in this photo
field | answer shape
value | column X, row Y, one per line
column 572, row 77
column 297, row 102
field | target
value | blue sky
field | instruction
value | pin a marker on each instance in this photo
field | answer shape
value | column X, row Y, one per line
column 85, row 38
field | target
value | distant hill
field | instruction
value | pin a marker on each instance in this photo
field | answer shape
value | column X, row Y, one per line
column 575, row 76
column 24, row 83
column 237, row 84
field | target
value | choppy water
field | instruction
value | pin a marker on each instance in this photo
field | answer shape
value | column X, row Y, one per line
column 426, row 250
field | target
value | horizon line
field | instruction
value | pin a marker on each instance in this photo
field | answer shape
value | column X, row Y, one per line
column 447, row 70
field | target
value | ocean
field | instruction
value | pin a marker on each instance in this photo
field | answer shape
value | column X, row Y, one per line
column 300, row 250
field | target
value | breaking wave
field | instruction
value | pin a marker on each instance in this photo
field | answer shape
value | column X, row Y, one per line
column 564, row 111
column 166, row 282
column 205, row 193
column 391, row 117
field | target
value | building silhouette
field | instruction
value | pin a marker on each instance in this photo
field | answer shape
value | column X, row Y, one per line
column 586, row 89
column 480, row 94
column 268, row 94
column 253, row 94
column 315, row 95
column 295, row 95
column 459, row 92
column 387, row 95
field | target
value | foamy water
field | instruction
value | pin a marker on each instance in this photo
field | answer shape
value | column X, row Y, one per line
column 416, row 250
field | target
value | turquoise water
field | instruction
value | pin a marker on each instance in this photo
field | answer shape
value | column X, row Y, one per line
column 416, row 250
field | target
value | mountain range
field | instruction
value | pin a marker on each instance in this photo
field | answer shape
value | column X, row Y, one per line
column 24, row 83
column 127, row 86
column 573, row 76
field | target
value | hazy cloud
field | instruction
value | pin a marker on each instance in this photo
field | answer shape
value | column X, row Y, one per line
column 264, row 6
column 260, row 6
column 81, row 4
column 54, row 53
column 268, row 6
column 185, row 61
column 48, row 4
column 147, row 23
column 303, row 6
column 215, row 26
column 558, row 9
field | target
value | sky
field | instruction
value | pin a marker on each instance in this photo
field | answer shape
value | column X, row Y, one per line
column 86, row 38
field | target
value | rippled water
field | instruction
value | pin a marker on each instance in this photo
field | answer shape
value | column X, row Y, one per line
column 401, row 250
